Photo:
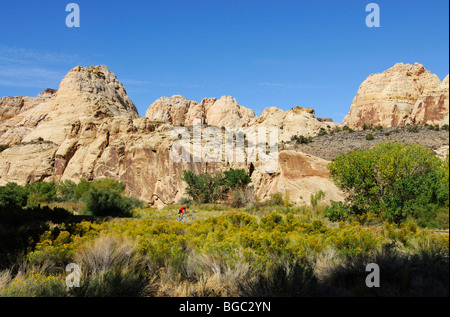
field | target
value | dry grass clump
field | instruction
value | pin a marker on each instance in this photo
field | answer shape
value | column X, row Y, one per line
column 202, row 275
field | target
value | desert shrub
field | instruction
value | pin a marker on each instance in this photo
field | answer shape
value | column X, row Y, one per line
column 35, row 284
column 104, row 197
column 276, row 199
column 391, row 179
column 413, row 128
column 116, row 282
column 104, row 202
column 287, row 199
column 238, row 198
column 403, row 274
column 429, row 126
column 285, row 278
column 370, row 137
column 234, row 254
column 54, row 248
column 184, row 201
column 445, row 127
column 65, row 190
column 322, row 132
column 316, row 198
column 348, row 129
column 378, row 128
column 3, row 147
column 300, row 139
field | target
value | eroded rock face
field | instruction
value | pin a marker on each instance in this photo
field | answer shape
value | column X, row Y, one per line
column 226, row 112
column 432, row 106
column 89, row 128
column 402, row 94
column 297, row 121
column 177, row 110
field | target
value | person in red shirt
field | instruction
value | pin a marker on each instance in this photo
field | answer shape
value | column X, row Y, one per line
column 182, row 211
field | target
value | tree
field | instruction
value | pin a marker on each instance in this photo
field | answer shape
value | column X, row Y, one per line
column 237, row 178
column 13, row 195
column 40, row 193
column 81, row 190
column 205, row 188
column 389, row 179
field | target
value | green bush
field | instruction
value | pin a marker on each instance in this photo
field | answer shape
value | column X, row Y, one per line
column 322, row 132
column 413, row 128
column 366, row 127
column 65, row 190
column 370, row 137
column 338, row 211
column 3, row 147
column 378, row 128
column 348, row 129
column 108, row 202
column 276, row 199
column 300, row 139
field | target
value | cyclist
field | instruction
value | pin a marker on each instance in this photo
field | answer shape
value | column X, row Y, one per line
column 182, row 212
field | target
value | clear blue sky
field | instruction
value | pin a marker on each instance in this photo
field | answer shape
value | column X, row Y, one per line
column 264, row 53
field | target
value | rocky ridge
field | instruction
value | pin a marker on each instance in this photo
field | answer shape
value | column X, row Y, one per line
column 403, row 94
column 89, row 128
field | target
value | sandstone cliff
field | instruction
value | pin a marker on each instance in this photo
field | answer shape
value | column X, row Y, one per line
column 90, row 129
column 403, row 94
column 177, row 110
column 226, row 112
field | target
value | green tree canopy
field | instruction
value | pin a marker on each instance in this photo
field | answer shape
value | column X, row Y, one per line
column 391, row 178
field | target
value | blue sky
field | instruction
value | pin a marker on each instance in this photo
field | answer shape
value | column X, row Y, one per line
column 263, row 53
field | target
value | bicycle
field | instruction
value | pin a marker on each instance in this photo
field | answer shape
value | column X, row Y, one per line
column 183, row 217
